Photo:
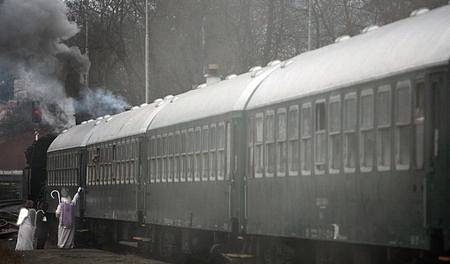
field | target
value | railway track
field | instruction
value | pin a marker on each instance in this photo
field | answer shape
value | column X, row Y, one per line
column 8, row 217
column 7, row 203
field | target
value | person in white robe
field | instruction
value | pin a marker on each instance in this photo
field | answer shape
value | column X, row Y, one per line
column 66, row 214
column 27, row 226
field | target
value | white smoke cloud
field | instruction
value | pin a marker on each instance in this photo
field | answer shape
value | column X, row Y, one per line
column 100, row 102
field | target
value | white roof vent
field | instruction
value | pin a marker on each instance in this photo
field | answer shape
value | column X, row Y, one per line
column 203, row 85
column 109, row 119
column 369, row 28
column 168, row 97
column 144, row 104
column 157, row 101
column 342, row 38
column 90, row 120
column 98, row 122
column 134, row 107
column 173, row 99
column 231, row 76
column 273, row 63
column 419, row 12
column 254, row 69
column 106, row 116
column 99, row 118
column 84, row 122
column 286, row 63
column 64, row 131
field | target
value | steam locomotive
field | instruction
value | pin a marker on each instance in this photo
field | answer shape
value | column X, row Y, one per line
column 338, row 155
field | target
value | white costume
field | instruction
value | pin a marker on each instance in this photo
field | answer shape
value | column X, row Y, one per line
column 66, row 234
column 27, row 226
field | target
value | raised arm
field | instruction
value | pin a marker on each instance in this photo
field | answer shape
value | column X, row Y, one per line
column 76, row 196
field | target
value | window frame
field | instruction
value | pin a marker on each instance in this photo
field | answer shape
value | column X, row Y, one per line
column 177, row 155
column 304, row 138
column 190, row 143
column 317, row 133
column 338, row 133
column 221, row 151
column 259, row 168
column 349, row 96
column 212, row 152
column 270, row 141
column 294, row 139
column 280, row 140
column 400, row 124
column 384, row 88
column 369, row 129
column 205, row 153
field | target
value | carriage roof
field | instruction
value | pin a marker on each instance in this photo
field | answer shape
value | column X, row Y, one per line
column 410, row 44
column 74, row 137
column 125, row 124
column 216, row 99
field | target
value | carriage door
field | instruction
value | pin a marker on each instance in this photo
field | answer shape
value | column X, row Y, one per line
column 142, row 178
column 82, row 170
column 436, row 138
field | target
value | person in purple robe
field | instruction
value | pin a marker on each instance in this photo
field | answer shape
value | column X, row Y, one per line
column 66, row 214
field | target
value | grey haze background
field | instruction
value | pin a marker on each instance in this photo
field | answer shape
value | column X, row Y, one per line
column 186, row 35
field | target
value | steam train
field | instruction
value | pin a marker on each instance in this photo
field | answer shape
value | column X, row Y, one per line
column 338, row 155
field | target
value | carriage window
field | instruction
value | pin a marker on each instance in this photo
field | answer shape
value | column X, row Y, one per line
column 419, row 120
column 198, row 155
column 335, row 134
column 383, row 106
column 152, row 160
column 128, row 162
column 113, row 165
column 131, row 150
column 292, row 134
column 402, row 121
column 97, row 166
column 259, row 147
column 306, row 142
column 164, row 159
column 159, row 159
column 320, row 133
column 169, row 158
column 250, row 148
column 191, row 157
column 367, row 139
column 221, row 152
column 270, row 143
column 212, row 153
column 281, row 142
column 205, row 147
column 124, row 162
column 175, row 153
column 228, row 168
column 183, row 159
column 350, row 132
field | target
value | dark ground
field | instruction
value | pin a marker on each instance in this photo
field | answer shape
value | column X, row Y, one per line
column 70, row 256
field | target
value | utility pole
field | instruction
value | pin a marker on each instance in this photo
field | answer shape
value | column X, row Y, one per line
column 86, row 39
column 309, row 23
column 146, row 53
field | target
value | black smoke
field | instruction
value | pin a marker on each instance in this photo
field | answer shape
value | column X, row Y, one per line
column 32, row 48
